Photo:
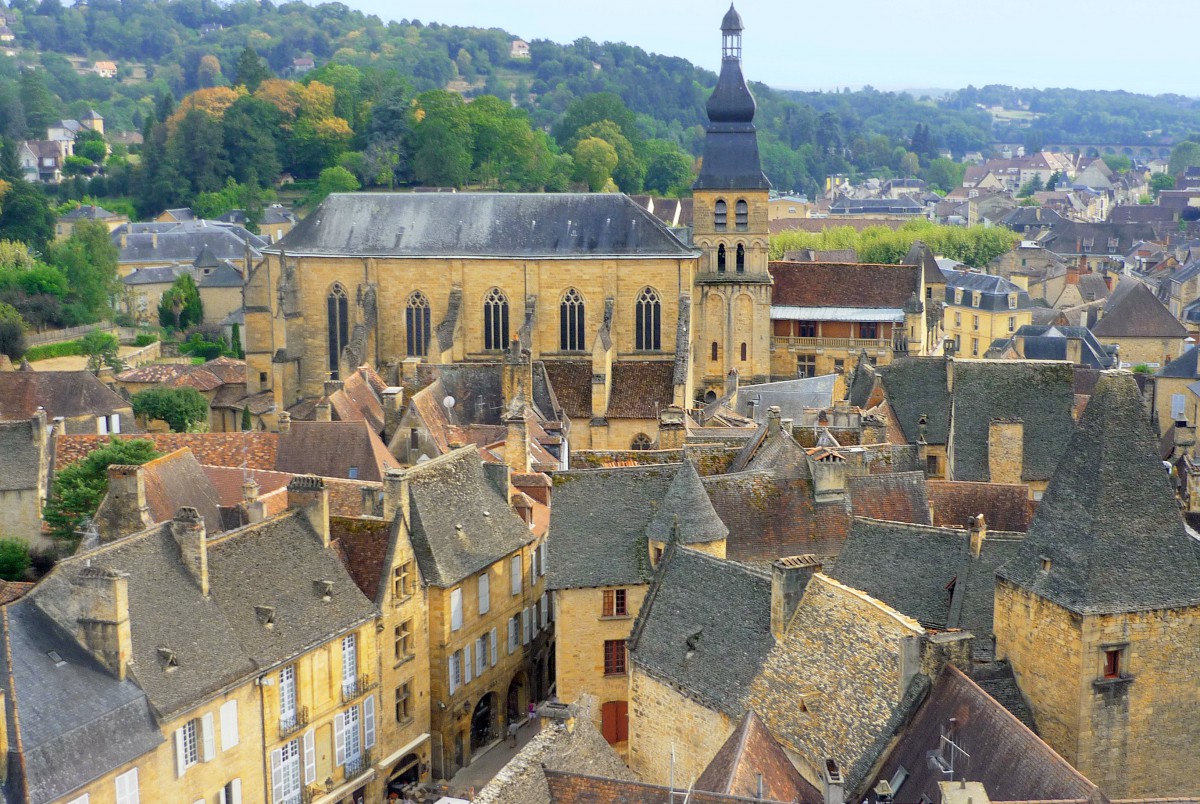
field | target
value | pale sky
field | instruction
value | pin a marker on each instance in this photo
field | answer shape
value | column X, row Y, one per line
column 816, row 44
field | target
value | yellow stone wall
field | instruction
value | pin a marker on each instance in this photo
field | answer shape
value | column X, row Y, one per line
column 1154, row 352
column 960, row 323
column 218, row 303
column 1164, row 389
column 1135, row 739
column 662, row 720
column 783, row 358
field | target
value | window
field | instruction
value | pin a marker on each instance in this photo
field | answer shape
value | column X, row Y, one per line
column 102, row 425
column 338, row 324
column 541, row 548
column 229, row 725
column 495, row 320
column 403, row 702
column 658, row 554
column 976, row 296
column 352, row 474
column 492, row 652
column 741, row 215
column 456, row 613
column 868, row 330
column 570, row 322
column 187, row 745
column 1012, row 301
column 545, row 610
column 401, row 577
column 231, row 793
column 127, row 787
column 416, row 321
column 352, row 737
column 931, row 465
column 614, row 657
column 806, row 329
column 526, row 629
column 743, row 351
column 741, row 259
column 287, row 698
column 715, row 352
column 403, row 640
column 974, row 322
column 1112, row 662
column 1177, row 407
column 515, row 573
column 721, row 258
column 614, row 603
column 647, row 323
column 114, row 423
column 455, row 671
column 958, row 294
column 641, row 441
column 285, row 773
column 720, row 215
column 485, row 594
column 806, row 365
column 974, row 347
column 481, row 655
column 1012, row 323
column 414, row 438
column 958, row 319
column 614, row 720
column 514, row 634
column 349, row 665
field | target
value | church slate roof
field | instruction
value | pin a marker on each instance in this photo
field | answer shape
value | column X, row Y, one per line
column 481, row 225
column 460, row 522
column 921, row 255
column 705, row 628
column 686, row 510
column 1138, row 314
column 916, row 387
column 1108, row 522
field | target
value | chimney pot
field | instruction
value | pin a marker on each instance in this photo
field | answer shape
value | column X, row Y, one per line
column 789, row 579
column 308, row 494
column 188, row 529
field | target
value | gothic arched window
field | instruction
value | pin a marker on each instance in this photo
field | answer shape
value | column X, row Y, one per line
column 741, row 259
column 495, row 320
column 416, row 320
column 720, row 215
column 570, row 322
column 721, row 258
column 641, row 441
column 714, row 351
column 743, row 351
column 647, row 323
column 741, row 215
column 338, row 309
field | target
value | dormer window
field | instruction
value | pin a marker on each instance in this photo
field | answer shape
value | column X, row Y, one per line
column 720, row 215
column 1012, row 301
column 958, row 295
column 976, row 296
column 168, row 659
column 266, row 616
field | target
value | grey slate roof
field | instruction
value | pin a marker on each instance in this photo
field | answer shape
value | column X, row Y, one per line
column 1185, row 366
column 19, row 464
column 182, row 242
column 731, row 159
column 994, row 290
column 1044, row 342
column 917, row 387
column 791, row 396
column 1109, row 523
column 544, row 225
column 61, row 393
column 705, row 627
column 155, row 275
column 686, row 507
column 224, row 275
column 1137, row 314
column 67, row 712
column 460, row 522
column 591, row 544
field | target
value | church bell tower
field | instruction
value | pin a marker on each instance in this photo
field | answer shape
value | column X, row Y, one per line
column 729, row 223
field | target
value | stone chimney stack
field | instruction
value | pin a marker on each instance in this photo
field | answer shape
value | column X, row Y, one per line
column 672, row 430
column 789, row 579
column 125, row 509
column 308, row 495
column 333, row 386
column 978, row 534
column 251, row 502
column 517, row 446
column 285, row 422
column 516, row 376
column 395, row 494
column 324, row 410
column 37, row 425
column 833, row 783
column 393, row 410
column 188, row 529
column 557, row 712
column 829, row 476
column 103, row 617
column 774, row 419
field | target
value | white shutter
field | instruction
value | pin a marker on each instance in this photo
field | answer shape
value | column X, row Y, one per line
column 542, row 562
column 525, row 627
column 1177, row 406
column 102, row 425
column 202, row 801
column 229, row 725
column 545, row 610
column 456, row 618
column 515, row 572
column 339, row 739
column 180, row 759
column 127, row 787
column 466, row 652
column 369, row 721
column 532, row 567
column 115, row 425
column 494, row 654
column 310, row 757
column 277, row 775
column 208, row 733
column 453, row 670
column 485, row 594
column 235, row 791
column 513, row 639
column 480, row 655
column 221, row 797
column 84, row 799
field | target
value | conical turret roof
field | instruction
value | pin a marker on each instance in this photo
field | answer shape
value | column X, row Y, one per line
column 687, row 503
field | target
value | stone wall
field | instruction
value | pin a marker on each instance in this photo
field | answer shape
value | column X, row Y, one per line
column 664, row 723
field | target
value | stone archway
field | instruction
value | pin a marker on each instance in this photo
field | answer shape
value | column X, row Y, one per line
column 516, row 700
column 404, row 773
column 483, row 720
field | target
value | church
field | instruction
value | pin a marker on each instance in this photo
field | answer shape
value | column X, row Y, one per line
column 627, row 316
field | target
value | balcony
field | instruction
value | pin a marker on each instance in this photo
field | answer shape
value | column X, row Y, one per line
column 360, row 765
column 293, row 724
column 357, row 687
column 847, row 344
column 329, row 790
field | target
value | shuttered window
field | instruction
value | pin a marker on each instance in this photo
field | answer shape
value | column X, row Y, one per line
column 614, row 719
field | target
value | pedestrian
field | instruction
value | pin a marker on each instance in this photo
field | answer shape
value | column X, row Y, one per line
column 532, row 710
column 513, row 726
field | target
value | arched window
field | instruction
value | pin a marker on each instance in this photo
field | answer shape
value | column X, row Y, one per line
column 416, row 320
column 641, row 441
column 741, row 259
column 338, row 309
column 570, row 322
column 648, row 321
column 741, row 215
column 743, row 351
column 714, row 352
column 495, row 320
column 720, row 214
column 721, row 258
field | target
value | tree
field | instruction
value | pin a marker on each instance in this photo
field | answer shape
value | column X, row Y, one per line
column 1034, row 185
column 944, row 174
column 594, row 163
column 235, row 345
column 1054, row 179
column 25, row 216
column 630, row 172
column 181, row 408
column 12, row 332
column 79, row 487
column 251, row 70
column 246, row 422
column 1160, row 182
column 668, row 172
column 41, row 107
column 180, row 306
column 593, row 108
column 14, row 559
column 1118, row 163
column 332, row 180
column 441, row 140
column 88, row 259
column 100, row 349
column 1184, row 155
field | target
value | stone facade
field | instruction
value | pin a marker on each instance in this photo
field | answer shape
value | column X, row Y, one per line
column 671, row 737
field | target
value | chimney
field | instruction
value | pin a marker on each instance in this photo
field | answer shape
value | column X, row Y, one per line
column 1073, row 272
column 307, row 493
column 978, row 534
column 369, row 498
column 773, row 419
column 188, row 529
column 672, row 430
column 833, row 783
column 516, row 439
column 829, row 476
column 1006, row 450
column 124, row 239
column 154, row 240
column 393, row 410
column 731, row 386
column 126, row 510
column 250, row 501
column 789, row 579
column 285, row 422
column 555, row 711
column 104, row 617
column 37, row 426
column 324, row 410
column 1108, row 280
column 60, row 426
column 333, row 386
column 516, row 373
column 395, row 494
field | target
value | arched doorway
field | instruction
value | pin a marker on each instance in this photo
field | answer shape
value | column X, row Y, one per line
column 404, row 773
column 482, row 730
column 514, row 701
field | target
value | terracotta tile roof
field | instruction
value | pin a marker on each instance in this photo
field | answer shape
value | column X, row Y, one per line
column 333, row 449
column 154, row 372
column 227, row 369
column 899, row 497
column 11, row 590
column 752, row 764
column 640, row 389
column 1004, row 506
column 200, row 379
column 61, row 393
column 364, row 543
column 572, row 382
column 346, row 496
column 825, row 284
column 255, row 450
column 227, row 480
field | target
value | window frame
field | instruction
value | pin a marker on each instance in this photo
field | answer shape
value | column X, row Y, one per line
column 484, row 593
column 647, row 323
column 495, row 320
column 403, row 701
column 572, row 314
column 741, row 215
column 417, row 324
column 720, row 215
column 614, row 603
column 615, row 657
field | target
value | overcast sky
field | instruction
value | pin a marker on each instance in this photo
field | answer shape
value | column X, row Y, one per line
column 815, row 44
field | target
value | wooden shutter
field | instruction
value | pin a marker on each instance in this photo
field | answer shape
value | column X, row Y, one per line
column 339, row 739
column 222, row 798
column 310, row 757
column 608, row 721
column 456, row 614
column 545, row 610
column 369, row 721
column 494, row 654
column 485, row 594
column 235, row 791
column 513, row 637
column 525, row 627
column 451, row 669
column 466, row 668
column 515, row 573
column 622, row 711
column 277, row 775
column 180, row 760
column 229, row 725
column 208, row 737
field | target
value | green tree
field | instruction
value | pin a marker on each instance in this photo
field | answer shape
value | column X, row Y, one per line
column 88, row 259
column 332, row 180
column 180, row 306
column 944, row 174
column 441, row 140
column 1184, row 155
column 246, row 422
column 14, row 559
column 93, row 150
column 250, row 70
column 235, row 345
column 253, row 137
column 25, row 216
column 594, row 108
column 1034, row 185
column 1118, row 163
column 79, row 487
column 41, row 107
column 183, row 409
column 76, row 165
column 594, row 162
column 630, row 171
column 1160, row 182
column 100, row 349
column 12, row 332
column 197, row 151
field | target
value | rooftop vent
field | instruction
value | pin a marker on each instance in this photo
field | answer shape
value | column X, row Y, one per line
column 324, row 589
column 168, row 658
column 266, row 615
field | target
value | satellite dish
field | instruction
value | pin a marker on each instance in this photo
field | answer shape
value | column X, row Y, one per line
column 448, row 402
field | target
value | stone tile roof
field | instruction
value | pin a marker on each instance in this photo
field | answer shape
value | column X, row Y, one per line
column 66, row 711
column 998, row 680
column 752, row 765
column 460, row 522
column 704, row 628
column 1138, row 314
column 601, row 545
column 361, row 390
column 574, row 788
column 182, row 241
column 640, row 389
column 686, row 512
column 773, row 449
column 332, row 449
column 1039, row 394
column 1109, row 524
column 1004, row 506
column 525, row 225
column 61, row 393
column 20, row 459
column 253, row 450
column 816, row 284
column 925, row 572
column 897, row 496
column 572, row 382
column 1009, row 759
column 916, row 387
column 173, row 481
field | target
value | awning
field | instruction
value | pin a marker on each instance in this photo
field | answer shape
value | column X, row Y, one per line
column 787, row 313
